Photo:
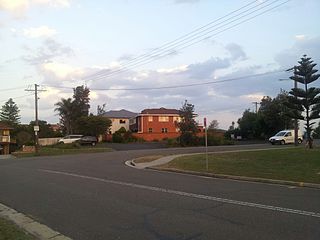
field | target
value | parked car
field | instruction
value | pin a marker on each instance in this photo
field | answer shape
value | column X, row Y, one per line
column 88, row 140
column 70, row 139
column 285, row 136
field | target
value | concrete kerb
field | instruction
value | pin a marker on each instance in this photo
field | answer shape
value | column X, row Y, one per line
column 36, row 229
column 161, row 161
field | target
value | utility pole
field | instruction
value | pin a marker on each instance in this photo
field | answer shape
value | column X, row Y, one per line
column 256, row 104
column 36, row 127
column 295, row 86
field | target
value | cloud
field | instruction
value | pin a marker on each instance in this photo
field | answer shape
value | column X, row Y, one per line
column 49, row 50
column 61, row 71
column 204, row 70
column 303, row 45
column 18, row 8
column 39, row 32
column 236, row 51
column 186, row 1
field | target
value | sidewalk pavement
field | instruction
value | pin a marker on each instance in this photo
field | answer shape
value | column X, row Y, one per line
column 38, row 230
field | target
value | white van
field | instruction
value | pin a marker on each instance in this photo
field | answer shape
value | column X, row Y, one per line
column 285, row 136
column 70, row 139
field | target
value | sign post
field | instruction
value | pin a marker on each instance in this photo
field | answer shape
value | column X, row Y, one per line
column 206, row 142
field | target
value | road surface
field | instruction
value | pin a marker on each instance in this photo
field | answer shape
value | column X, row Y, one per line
column 95, row 196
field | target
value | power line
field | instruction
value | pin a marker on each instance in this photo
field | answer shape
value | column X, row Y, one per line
column 179, row 39
column 177, row 86
column 11, row 89
column 189, row 42
column 13, row 98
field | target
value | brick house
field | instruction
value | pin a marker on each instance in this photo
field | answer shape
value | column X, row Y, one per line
column 156, row 124
column 4, row 138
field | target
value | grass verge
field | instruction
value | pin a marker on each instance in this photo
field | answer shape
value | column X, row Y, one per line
column 294, row 164
column 9, row 230
column 53, row 151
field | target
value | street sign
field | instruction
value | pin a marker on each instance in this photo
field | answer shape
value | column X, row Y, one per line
column 205, row 122
column 36, row 128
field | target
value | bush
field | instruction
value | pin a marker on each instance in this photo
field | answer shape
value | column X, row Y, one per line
column 123, row 136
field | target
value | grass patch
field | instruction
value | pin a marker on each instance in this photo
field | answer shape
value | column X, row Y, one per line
column 294, row 164
column 147, row 159
column 9, row 230
column 63, row 150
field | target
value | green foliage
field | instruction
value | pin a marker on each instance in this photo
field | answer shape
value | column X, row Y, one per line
column 93, row 125
column 188, row 125
column 70, row 110
column 273, row 116
column 316, row 132
column 248, row 124
column 9, row 113
column 123, row 136
column 307, row 99
column 45, row 130
column 101, row 109
column 214, row 124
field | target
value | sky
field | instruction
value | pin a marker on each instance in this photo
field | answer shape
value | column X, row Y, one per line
column 231, row 52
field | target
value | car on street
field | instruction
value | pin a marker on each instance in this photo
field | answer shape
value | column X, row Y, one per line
column 70, row 138
column 285, row 137
column 88, row 140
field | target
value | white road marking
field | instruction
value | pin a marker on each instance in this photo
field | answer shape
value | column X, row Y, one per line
column 193, row 195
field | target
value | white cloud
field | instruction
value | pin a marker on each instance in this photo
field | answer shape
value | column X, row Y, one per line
column 178, row 69
column 18, row 8
column 254, row 96
column 300, row 37
column 43, row 31
column 61, row 71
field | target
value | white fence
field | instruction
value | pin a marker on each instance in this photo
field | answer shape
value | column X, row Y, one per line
column 48, row 141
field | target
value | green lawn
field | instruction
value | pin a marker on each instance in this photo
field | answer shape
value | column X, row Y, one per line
column 9, row 231
column 294, row 164
column 62, row 150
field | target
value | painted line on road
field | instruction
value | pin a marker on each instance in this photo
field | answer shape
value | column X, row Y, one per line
column 193, row 195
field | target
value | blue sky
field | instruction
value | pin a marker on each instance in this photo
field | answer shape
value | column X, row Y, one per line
column 61, row 43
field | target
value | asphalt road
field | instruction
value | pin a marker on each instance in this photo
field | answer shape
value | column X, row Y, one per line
column 97, row 197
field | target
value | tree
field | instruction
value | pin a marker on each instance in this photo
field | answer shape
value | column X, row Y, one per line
column 305, row 100
column 45, row 130
column 101, row 109
column 10, row 113
column 248, row 124
column 81, row 101
column 65, row 109
column 188, row 126
column 214, row 124
column 316, row 132
column 93, row 125
column 70, row 110
column 273, row 115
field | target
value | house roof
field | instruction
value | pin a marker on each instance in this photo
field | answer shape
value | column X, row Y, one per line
column 160, row 111
column 4, row 126
column 120, row 114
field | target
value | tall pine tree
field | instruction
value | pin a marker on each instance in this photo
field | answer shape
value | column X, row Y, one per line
column 305, row 101
column 10, row 113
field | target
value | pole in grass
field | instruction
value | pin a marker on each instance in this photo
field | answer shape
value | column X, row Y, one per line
column 206, row 142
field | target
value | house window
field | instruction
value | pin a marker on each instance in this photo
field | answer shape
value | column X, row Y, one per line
column 122, row 121
column 176, row 119
column 150, row 130
column 163, row 119
column 164, row 130
column 150, row 119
